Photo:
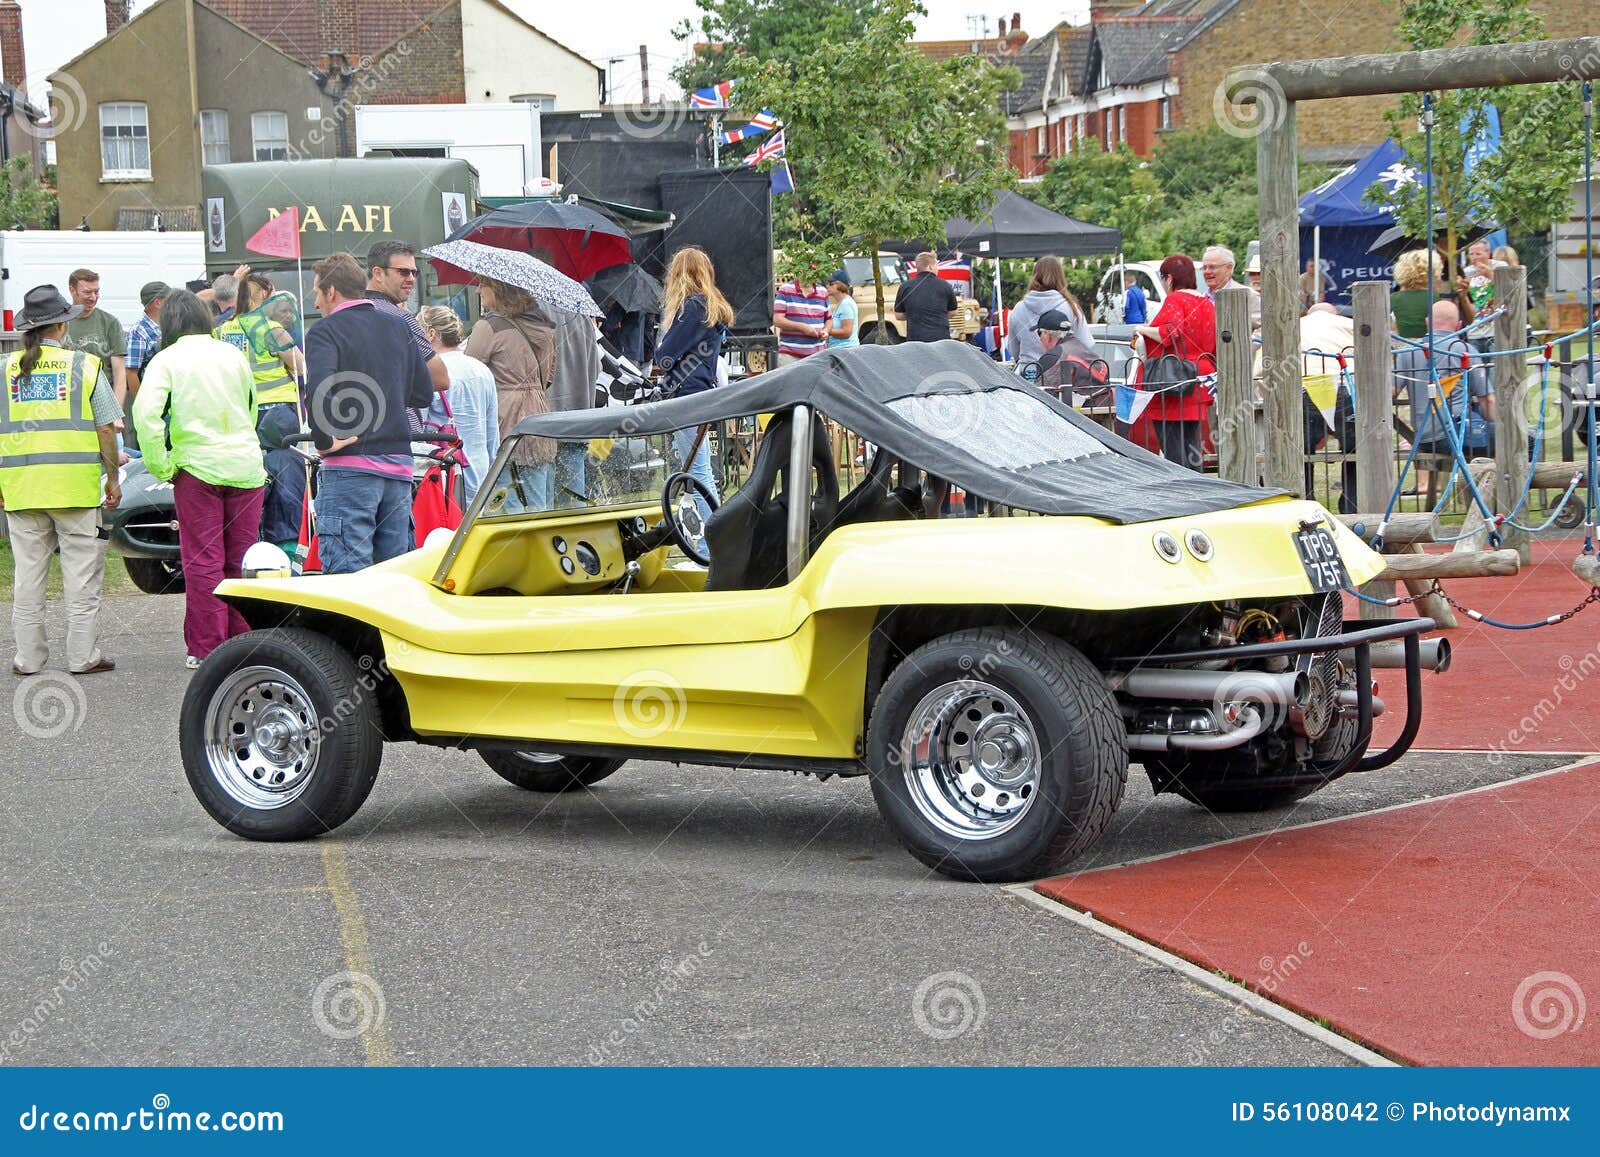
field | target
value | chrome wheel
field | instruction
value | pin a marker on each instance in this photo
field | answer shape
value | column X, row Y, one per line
column 539, row 757
column 261, row 737
column 971, row 759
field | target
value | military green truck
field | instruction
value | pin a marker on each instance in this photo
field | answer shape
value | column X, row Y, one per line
column 346, row 205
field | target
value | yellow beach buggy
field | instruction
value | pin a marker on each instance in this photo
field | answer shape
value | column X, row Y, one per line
column 992, row 675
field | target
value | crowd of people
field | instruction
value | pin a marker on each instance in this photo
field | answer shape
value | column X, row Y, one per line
column 213, row 387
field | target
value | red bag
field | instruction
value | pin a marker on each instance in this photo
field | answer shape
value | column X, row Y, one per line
column 435, row 503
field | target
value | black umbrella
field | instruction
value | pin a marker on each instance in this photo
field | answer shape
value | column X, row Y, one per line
column 628, row 287
column 579, row 240
column 1397, row 239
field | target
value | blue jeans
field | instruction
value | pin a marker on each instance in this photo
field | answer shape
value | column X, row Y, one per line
column 533, row 484
column 362, row 518
column 700, row 468
column 571, row 474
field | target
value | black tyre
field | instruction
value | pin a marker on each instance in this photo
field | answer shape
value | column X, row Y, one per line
column 870, row 336
column 996, row 754
column 155, row 576
column 1206, row 782
column 546, row 771
column 280, row 735
column 1573, row 514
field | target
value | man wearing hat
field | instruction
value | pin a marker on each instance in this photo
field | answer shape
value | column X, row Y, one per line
column 144, row 339
column 58, row 414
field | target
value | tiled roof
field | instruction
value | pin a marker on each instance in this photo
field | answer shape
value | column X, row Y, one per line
column 945, row 49
column 1134, row 48
column 291, row 25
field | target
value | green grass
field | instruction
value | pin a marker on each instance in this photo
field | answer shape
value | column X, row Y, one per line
column 117, row 581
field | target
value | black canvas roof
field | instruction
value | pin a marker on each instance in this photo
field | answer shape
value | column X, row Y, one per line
column 946, row 408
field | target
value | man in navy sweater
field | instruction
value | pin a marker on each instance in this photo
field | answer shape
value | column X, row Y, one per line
column 362, row 371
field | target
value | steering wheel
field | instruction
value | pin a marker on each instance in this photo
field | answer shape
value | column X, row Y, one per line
column 683, row 516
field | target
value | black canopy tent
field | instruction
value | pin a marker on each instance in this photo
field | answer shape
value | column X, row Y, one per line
column 1017, row 227
column 947, row 409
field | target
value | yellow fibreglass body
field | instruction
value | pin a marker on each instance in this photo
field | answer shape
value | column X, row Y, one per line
column 779, row 672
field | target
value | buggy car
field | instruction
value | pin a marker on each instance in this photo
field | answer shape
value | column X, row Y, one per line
column 993, row 676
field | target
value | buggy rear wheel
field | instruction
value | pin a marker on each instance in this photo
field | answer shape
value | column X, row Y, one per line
column 548, row 771
column 996, row 754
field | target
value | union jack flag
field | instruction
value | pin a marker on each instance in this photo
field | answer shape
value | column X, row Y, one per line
column 770, row 149
column 762, row 122
column 714, row 97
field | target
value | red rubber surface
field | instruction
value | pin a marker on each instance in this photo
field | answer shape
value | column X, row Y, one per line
column 1510, row 690
column 1421, row 932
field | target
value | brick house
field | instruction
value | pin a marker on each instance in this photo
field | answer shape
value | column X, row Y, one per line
column 1137, row 69
column 264, row 80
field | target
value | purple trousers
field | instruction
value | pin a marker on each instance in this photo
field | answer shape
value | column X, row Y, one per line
column 217, row 524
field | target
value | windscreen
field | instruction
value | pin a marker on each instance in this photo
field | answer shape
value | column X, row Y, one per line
column 538, row 476
column 1006, row 429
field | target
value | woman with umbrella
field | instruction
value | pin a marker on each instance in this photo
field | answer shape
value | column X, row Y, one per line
column 518, row 346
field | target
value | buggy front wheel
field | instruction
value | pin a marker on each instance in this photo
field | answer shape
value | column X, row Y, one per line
column 280, row 735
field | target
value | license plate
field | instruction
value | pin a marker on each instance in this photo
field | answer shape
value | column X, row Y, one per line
column 1319, row 554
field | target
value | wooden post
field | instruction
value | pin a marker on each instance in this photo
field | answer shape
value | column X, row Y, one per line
column 1278, row 168
column 1375, row 473
column 1510, row 422
column 1474, row 532
column 1234, row 418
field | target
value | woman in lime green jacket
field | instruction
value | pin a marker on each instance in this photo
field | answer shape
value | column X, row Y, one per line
column 196, row 420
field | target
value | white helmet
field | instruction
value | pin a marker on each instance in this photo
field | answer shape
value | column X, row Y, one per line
column 265, row 560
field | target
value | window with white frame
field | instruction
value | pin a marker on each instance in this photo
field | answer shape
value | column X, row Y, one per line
column 543, row 101
column 1122, row 124
column 1166, row 112
column 269, row 135
column 124, row 139
column 214, row 136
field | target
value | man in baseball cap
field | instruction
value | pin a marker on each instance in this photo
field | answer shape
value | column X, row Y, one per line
column 144, row 339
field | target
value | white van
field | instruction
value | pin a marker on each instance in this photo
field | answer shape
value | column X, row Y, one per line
column 124, row 260
column 1107, row 306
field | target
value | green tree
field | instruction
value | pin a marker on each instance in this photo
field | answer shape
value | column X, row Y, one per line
column 734, row 34
column 1527, row 183
column 1113, row 188
column 24, row 200
column 883, row 143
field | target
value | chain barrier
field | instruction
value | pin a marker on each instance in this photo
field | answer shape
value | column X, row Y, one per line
column 1478, row 616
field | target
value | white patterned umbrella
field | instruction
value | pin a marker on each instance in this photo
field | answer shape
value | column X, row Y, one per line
column 460, row 262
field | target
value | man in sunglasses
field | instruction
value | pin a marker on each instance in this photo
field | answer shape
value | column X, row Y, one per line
column 391, row 276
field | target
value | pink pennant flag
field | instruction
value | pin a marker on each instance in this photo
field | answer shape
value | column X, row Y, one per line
column 279, row 237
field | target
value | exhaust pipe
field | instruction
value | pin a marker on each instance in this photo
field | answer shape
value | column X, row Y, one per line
column 1350, row 705
column 1433, row 655
column 1252, row 724
column 1285, row 689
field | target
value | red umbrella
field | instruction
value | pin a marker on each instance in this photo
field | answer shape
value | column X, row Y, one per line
column 579, row 241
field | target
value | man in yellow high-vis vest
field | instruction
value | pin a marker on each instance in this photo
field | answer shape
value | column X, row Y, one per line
column 58, row 467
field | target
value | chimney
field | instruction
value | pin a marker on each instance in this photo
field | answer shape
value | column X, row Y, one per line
column 13, row 65
column 1016, row 38
column 1016, row 22
column 117, row 13
column 336, row 29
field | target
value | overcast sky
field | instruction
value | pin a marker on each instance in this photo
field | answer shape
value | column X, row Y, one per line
column 57, row 30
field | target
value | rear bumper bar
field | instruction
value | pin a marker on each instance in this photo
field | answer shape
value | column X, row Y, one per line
column 1358, row 638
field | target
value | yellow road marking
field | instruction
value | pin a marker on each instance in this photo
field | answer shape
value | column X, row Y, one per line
column 357, row 949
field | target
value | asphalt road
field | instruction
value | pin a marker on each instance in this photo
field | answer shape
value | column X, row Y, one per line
column 673, row 915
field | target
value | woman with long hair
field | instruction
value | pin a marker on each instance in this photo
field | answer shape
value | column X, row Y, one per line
column 519, row 347
column 686, row 357
column 1047, row 290
column 1185, row 326
column 196, row 419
